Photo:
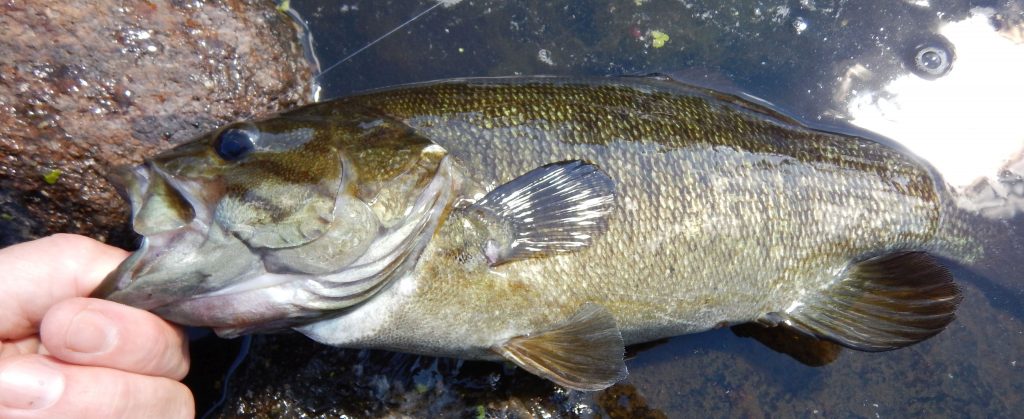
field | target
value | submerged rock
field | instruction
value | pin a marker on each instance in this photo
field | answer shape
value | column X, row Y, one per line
column 89, row 84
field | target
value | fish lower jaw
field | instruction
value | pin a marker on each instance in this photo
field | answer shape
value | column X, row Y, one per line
column 151, row 248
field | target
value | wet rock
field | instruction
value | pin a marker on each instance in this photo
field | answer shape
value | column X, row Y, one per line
column 89, row 84
column 622, row 401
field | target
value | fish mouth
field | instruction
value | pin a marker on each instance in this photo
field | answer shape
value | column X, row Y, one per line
column 191, row 271
column 310, row 298
column 162, row 209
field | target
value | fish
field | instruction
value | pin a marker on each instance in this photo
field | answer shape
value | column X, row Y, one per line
column 543, row 221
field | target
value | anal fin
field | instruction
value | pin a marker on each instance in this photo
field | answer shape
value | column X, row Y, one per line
column 586, row 353
column 882, row 303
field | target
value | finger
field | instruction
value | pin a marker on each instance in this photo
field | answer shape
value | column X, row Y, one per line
column 39, row 273
column 29, row 345
column 36, row 386
column 101, row 333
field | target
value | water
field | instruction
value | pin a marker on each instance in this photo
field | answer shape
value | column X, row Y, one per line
column 820, row 60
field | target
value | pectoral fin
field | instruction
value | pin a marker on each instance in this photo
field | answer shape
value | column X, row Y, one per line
column 556, row 208
column 586, row 353
column 883, row 303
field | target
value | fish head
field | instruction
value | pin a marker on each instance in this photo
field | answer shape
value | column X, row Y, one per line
column 267, row 224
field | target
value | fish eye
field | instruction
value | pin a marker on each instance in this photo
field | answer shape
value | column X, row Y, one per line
column 234, row 143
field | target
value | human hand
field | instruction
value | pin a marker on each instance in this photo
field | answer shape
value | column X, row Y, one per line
column 62, row 355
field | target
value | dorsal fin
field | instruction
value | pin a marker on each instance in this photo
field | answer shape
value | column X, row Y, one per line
column 883, row 303
column 729, row 93
column 556, row 208
column 585, row 353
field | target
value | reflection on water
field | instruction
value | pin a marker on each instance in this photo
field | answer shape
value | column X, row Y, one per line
column 805, row 349
column 813, row 60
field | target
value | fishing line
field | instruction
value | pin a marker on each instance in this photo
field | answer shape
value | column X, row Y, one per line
column 242, row 353
column 406, row 23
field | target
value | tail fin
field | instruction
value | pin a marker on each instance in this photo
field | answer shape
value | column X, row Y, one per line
column 992, row 249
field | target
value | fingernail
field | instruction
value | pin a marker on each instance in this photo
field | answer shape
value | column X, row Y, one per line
column 90, row 333
column 30, row 384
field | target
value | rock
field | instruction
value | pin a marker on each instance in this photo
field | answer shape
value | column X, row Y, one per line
column 89, row 84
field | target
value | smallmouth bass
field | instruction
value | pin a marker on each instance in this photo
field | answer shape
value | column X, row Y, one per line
column 544, row 221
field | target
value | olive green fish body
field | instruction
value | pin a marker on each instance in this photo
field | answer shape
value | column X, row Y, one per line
column 545, row 221
column 724, row 211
